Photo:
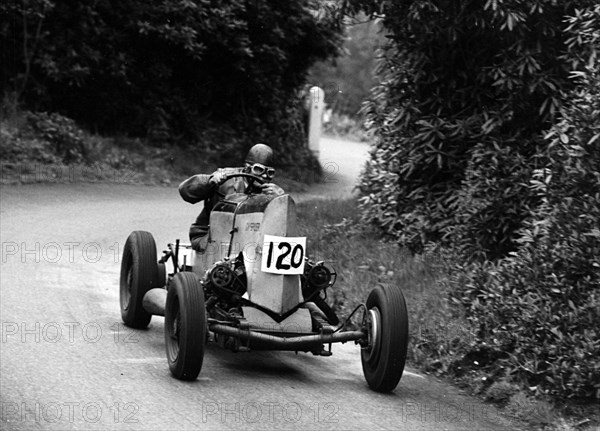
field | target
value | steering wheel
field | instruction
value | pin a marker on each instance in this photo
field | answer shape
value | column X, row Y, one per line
column 256, row 178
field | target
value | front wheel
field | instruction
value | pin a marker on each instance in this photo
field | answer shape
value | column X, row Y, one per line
column 384, row 356
column 139, row 274
column 185, row 326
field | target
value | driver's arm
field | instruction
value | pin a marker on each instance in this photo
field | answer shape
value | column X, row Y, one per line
column 201, row 186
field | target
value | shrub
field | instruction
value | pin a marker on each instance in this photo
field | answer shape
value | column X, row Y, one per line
column 163, row 69
column 41, row 137
column 15, row 149
column 492, row 202
column 66, row 138
column 541, row 305
column 466, row 90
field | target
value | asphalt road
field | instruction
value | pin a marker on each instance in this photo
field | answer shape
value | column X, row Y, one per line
column 68, row 362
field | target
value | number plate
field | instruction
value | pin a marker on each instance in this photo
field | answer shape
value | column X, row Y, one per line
column 283, row 255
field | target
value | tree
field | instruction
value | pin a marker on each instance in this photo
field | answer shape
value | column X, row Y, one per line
column 540, row 305
column 467, row 88
column 136, row 67
column 488, row 126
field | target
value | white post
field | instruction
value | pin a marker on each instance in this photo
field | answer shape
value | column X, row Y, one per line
column 316, row 106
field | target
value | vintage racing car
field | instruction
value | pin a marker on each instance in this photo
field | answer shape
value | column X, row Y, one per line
column 254, row 288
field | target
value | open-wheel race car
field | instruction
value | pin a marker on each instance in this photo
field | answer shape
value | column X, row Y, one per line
column 254, row 288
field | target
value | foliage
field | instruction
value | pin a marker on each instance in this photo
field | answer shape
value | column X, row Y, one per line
column 166, row 69
column 488, row 139
column 348, row 78
column 437, row 336
column 345, row 127
column 16, row 148
column 465, row 86
column 42, row 147
column 43, row 138
column 361, row 260
column 492, row 202
column 62, row 133
column 541, row 305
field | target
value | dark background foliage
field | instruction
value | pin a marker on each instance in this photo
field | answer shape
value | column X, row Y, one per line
column 168, row 70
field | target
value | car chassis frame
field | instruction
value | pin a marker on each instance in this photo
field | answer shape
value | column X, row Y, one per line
column 227, row 298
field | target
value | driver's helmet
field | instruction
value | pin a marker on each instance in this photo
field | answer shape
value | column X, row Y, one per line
column 258, row 161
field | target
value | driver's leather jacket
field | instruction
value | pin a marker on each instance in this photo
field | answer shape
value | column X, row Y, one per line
column 199, row 188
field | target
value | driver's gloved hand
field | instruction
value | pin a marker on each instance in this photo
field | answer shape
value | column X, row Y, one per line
column 272, row 189
column 218, row 177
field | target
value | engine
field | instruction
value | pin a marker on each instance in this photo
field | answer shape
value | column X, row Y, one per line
column 317, row 277
column 226, row 280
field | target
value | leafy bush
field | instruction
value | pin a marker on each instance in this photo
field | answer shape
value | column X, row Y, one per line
column 42, row 137
column 66, row 138
column 466, row 89
column 541, row 305
column 164, row 69
column 464, row 157
column 492, row 202
column 17, row 149
column 38, row 147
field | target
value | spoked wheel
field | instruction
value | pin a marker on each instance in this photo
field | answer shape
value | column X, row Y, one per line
column 384, row 356
column 139, row 273
column 185, row 326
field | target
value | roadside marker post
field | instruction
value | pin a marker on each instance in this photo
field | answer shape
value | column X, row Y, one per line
column 316, row 106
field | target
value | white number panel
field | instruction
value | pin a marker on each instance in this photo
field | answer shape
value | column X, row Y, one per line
column 283, row 255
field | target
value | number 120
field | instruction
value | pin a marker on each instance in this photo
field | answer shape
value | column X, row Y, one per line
column 296, row 258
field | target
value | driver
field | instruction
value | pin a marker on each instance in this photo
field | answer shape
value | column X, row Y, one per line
column 212, row 188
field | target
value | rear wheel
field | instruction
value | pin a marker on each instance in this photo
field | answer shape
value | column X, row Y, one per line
column 185, row 326
column 139, row 273
column 384, row 357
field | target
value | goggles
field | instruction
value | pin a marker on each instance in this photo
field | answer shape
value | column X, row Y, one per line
column 260, row 170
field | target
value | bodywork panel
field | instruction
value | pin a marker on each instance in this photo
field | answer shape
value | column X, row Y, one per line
column 238, row 224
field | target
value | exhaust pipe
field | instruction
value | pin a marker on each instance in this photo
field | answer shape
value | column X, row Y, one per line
column 155, row 301
column 260, row 340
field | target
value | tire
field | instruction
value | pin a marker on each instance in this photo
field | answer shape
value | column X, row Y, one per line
column 185, row 326
column 139, row 273
column 161, row 275
column 384, row 358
